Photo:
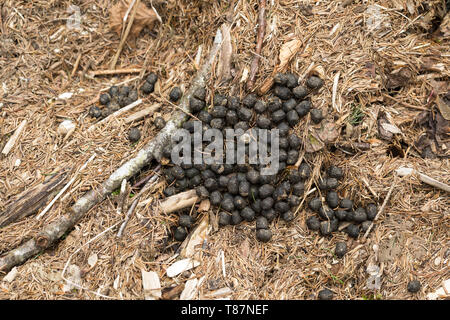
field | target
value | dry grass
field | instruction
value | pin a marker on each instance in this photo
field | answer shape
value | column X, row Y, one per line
column 36, row 67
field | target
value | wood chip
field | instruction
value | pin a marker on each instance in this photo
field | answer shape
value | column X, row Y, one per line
column 16, row 135
column 180, row 266
column 151, row 285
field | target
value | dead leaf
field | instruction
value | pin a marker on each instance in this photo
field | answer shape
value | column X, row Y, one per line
column 383, row 133
column 145, row 17
column 399, row 78
column 92, row 260
column 313, row 143
column 328, row 132
column 226, row 51
column 443, row 103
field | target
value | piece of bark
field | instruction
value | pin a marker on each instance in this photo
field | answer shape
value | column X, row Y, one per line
column 259, row 43
column 179, row 201
column 153, row 150
column 30, row 201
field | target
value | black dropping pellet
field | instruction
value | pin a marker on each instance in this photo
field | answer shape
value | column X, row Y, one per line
column 280, row 79
column 313, row 223
column 202, row 192
column 267, row 203
column 414, row 286
column 341, row 249
column 227, row 204
column 332, row 199
column 300, row 92
column 365, row 226
column 233, row 185
column 195, row 181
column 332, row 183
column 283, row 129
column 105, row 99
column 289, row 105
column 180, row 233
column 152, row 78
column 282, row 92
column 133, row 95
column 298, row 189
column 359, row 215
column 314, row 82
column 316, row 115
column 195, row 105
column 371, row 211
column 244, row 188
column 346, row 204
column 241, row 176
column 263, row 235
column 287, row 216
column 208, row 173
column 341, row 214
column 256, row 205
column 159, row 123
column 218, row 168
column 352, row 230
column 282, row 155
column 185, row 221
column 217, row 123
column 335, row 172
column 250, row 100
column 231, row 118
column 113, row 91
column 233, row 103
column 282, row 191
column 262, row 223
column 218, row 112
column 244, row 114
column 175, row 94
column 304, row 170
column 273, row 104
column 227, row 168
column 248, row 214
column 182, row 183
column 189, row 126
column 170, row 191
column 292, row 118
column 239, row 202
column 294, row 141
column 260, row 107
column 326, row 213
column 204, row 116
column 294, row 201
column 211, row 184
column 303, row 108
column 223, row 181
column 215, row 198
column 134, row 134
column 220, row 100
column 254, row 193
column 147, row 88
column 294, row 176
column 224, row 218
column 241, row 125
column 315, row 204
column 269, row 214
column 253, row 176
column 291, row 80
column 283, row 143
column 200, row 93
column 325, row 294
column 265, row 191
column 201, row 167
column 278, row 116
column 281, row 206
column 95, row 112
column 124, row 91
column 325, row 228
column 235, row 217
column 263, row 122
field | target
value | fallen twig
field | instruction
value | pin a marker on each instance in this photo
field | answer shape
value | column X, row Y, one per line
column 153, row 150
column 116, row 114
column 16, row 135
column 259, row 42
column 116, row 71
column 142, row 113
column 404, row 103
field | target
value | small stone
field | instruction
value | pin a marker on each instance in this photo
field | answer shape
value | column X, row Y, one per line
column 134, row 135
column 316, row 115
column 175, row 94
column 152, row 78
column 159, row 123
column 263, row 235
column 180, row 233
column 300, row 92
column 105, row 99
column 325, row 294
column 185, row 220
column 314, row 82
column 414, row 286
column 341, row 249
column 262, row 223
column 371, row 211
column 313, row 223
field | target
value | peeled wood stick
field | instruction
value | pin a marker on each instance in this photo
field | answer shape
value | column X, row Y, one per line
column 153, row 150
column 259, row 43
column 423, row 177
column 116, row 114
column 179, row 201
column 116, row 71
column 142, row 113
column 16, row 135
